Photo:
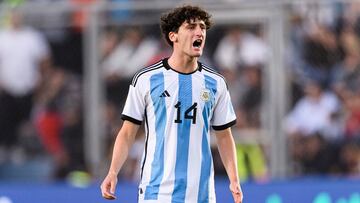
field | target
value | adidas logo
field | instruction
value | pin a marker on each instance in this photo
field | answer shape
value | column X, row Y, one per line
column 165, row 94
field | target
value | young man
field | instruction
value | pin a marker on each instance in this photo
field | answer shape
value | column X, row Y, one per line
column 179, row 99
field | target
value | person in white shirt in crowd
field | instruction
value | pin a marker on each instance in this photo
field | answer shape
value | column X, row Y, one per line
column 24, row 56
column 313, row 112
column 312, row 126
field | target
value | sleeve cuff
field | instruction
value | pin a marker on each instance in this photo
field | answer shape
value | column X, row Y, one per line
column 133, row 120
column 223, row 127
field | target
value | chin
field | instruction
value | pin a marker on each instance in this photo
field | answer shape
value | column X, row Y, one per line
column 197, row 54
column 194, row 53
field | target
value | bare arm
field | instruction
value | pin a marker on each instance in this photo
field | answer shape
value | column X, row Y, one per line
column 123, row 143
column 226, row 146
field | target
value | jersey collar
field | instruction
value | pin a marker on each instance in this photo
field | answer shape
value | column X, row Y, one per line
column 168, row 67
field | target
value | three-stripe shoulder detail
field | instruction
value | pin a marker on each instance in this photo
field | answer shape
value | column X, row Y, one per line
column 155, row 66
column 210, row 70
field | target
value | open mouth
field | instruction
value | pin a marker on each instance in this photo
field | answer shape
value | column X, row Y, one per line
column 197, row 43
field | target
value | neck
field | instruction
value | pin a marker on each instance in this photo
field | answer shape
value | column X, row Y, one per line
column 183, row 64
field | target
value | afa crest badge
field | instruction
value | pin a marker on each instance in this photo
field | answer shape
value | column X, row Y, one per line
column 205, row 95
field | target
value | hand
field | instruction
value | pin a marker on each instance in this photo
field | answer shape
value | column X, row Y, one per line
column 236, row 192
column 108, row 186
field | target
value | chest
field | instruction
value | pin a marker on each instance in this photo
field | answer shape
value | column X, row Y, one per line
column 182, row 95
column 19, row 45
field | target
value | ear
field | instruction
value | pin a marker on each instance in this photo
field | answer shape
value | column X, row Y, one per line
column 173, row 36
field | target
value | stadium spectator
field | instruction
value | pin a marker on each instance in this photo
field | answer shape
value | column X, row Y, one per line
column 312, row 116
column 312, row 113
column 237, row 51
column 24, row 58
column 345, row 76
column 58, row 119
column 325, row 48
column 251, row 100
column 122, row 57
column 317, row 157
column 352, row 116
column 350, row 159
column 240, row 48
column 47, row 118
column 80, row 17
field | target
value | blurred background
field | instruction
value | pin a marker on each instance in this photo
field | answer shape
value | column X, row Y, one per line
column 292, row 67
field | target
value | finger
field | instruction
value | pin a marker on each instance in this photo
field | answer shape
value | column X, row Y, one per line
column 109, row 196
column 235, row 190
column 237, row 199
column 112, row 187
column 105, row 187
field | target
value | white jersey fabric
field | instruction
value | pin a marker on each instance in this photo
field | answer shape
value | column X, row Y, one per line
column 178, row 110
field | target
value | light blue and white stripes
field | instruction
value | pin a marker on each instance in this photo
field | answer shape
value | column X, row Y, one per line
column 157, row 165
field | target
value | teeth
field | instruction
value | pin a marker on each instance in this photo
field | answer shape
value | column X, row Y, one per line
column 197, row 43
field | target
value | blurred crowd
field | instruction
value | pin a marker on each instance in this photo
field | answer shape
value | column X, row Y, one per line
column 324, row 122
column 41, row 92
column 40, row 101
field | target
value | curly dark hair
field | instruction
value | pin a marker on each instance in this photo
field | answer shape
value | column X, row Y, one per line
column 171, row 21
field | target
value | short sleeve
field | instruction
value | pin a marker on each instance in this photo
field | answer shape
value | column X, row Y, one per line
column 40, row 45
column 224, row 114
column 134, row 106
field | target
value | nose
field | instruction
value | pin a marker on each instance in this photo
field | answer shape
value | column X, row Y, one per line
column 199, row 31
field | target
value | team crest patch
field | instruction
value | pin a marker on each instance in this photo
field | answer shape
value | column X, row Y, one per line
column 205, row 95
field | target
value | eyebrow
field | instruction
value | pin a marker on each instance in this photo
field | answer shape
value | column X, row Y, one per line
column 201, row 23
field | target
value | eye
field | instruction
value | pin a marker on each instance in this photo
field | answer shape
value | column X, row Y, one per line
column 191, row 27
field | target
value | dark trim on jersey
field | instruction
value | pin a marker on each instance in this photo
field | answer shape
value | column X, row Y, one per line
column 210, row 70
column 146, row 144
column 154, row 66
column 223, row 127
column 133, row 120
column 168, row 67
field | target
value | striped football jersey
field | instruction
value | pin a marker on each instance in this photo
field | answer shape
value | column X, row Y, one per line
column 178, row 110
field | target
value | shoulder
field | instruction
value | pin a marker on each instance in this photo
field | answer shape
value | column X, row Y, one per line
column 207, row 70
column 5, row 34
column 148, row 70
column 31, row 32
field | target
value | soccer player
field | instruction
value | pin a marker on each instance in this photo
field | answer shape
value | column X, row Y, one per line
column 179, row 99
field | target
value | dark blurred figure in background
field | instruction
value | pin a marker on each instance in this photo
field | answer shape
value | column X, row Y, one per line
column 237, row 52
column 122, row 55
column 123, row 52
column 58, row 120
column 24, row 59
column 241, row 55
column 311, row 126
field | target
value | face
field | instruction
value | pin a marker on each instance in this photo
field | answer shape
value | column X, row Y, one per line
column 16, row 19
column 190, row 38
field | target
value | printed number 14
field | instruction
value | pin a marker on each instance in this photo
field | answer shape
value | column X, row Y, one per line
column 187, row 115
